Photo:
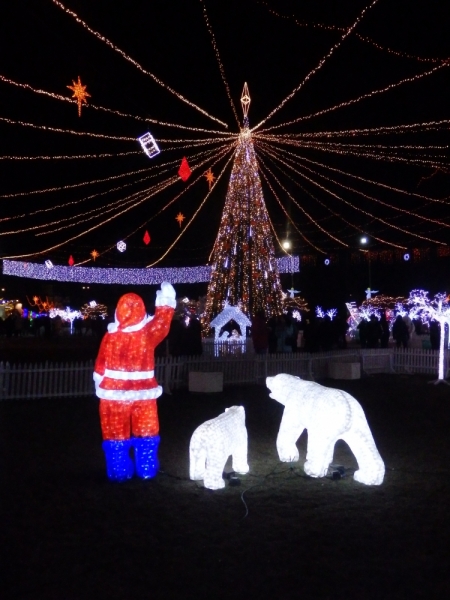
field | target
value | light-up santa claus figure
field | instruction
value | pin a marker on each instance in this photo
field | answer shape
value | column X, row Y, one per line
column 125, row 382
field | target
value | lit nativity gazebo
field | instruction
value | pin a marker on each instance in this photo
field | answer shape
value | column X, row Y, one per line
column 235, row 339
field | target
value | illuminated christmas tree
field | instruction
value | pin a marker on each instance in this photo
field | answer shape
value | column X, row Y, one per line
column 244, row 270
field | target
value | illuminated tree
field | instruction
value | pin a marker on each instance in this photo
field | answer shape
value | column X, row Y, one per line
column 244, row 270
column 438, row 310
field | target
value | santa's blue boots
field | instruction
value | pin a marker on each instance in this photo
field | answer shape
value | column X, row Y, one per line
column 119, row 464
column 146, row 456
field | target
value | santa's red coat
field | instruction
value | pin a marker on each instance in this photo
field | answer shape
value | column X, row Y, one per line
column 124, row 369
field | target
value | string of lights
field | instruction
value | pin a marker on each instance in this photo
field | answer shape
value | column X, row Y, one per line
column 309, row 217
column 193, row 216
column 67, row 240
column 73, row 156
column 221, row 67
column 366, row 213
column 168, row 165
column 373, row 199
column 70, row 131
column 318, row 66
column 363, row 38
column 383, row 130
column 135, row 63
column 79, row 218
column 337, row 215
column 118, row 113
column 375, row 154
column 305, row 144
column 275, row 195
column 347, row 103
column 75, row 185
column 169, row 203
column 366, row 180
column 66, row 222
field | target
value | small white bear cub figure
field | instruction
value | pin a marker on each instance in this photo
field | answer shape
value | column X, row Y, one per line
column 213, row 442
column 328, row 415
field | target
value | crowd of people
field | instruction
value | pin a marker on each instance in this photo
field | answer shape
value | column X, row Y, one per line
column 283, row 334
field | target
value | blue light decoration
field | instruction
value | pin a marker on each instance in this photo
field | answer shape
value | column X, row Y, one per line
column 149, row 145
column 123, row 276
column 406, row 256
column 327, row 261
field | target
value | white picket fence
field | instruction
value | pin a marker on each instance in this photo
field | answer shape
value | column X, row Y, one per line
column 58, row 380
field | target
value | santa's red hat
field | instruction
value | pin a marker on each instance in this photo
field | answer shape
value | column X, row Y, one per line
column 130, row 311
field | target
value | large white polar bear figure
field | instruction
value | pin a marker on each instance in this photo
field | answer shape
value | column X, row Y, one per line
column 328, row 415
column 213, row 442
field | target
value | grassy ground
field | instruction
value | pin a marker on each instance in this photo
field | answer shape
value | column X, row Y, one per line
column 68, row 533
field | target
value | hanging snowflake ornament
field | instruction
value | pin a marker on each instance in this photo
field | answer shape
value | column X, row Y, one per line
column 95, row 254
column 80, row 93
column 184, row 171
column 146, row 238
column 121, row 246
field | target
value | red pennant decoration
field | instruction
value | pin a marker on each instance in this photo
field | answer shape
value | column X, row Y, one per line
column 71, row 261
column 184, row 171
column 146, row 238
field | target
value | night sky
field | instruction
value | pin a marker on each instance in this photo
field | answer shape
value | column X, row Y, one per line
column 44, row 47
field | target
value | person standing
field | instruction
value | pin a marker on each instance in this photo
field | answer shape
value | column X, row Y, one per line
column 260, row 333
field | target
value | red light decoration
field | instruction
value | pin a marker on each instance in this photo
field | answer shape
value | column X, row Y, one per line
column 71, row 261
column 184, row 171
column 146, row 238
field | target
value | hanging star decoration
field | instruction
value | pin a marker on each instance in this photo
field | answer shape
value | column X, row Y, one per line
column 80, row 93
column 180, row 218
column 146, row 238
column 209, row 177
column 71, row 261
column 95, row 254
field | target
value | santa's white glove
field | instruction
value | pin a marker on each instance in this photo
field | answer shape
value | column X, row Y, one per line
column 97, row 379
column 166, row 296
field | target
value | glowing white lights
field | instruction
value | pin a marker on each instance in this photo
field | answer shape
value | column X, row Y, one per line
column 66, row 314
column 124, row 276
column 121, row 246
column 328, row 415
column 149, row 145
column 230, row 313
column 438, row 310
column 213, row 442
column 49, row 264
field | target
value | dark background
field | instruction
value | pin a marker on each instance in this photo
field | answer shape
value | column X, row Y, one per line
column 43, row 46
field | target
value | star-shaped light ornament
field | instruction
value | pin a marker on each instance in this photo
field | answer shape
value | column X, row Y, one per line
column 180, row 218
column 209, row 177
column 71, row 261
column 95, row 254
column 80, row 93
